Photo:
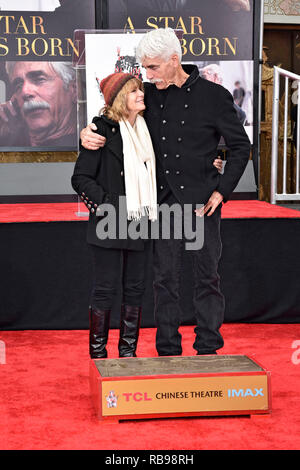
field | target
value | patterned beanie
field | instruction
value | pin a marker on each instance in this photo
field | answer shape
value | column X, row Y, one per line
column 111, row 85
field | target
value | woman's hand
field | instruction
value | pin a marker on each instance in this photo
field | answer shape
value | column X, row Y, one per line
column 218, row 163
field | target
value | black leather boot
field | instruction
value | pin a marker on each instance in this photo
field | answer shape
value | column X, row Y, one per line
column 129, row 330
column 99, row 327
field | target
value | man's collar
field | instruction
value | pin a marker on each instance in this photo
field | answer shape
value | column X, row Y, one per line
column 193, row 72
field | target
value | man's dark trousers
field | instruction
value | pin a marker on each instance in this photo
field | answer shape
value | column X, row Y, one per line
column 208, row 300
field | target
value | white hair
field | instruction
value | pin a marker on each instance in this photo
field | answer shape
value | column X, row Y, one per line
column 212, row 69
column 161, row 42
column 64, row 69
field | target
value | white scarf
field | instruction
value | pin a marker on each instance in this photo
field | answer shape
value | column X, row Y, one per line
column 139, row 169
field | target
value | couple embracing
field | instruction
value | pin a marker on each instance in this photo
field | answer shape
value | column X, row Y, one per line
column 156, row 143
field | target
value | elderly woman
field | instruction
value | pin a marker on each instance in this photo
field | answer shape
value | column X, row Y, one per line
column 125, row 166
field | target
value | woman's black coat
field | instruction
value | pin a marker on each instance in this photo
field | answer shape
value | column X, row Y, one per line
column 98, row 178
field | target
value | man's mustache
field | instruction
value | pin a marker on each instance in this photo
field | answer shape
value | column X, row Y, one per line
column 29, row 106
column 156, row 80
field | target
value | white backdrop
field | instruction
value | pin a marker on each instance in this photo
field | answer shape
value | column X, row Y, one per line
column 101, row 52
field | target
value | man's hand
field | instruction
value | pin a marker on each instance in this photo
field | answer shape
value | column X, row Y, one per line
column 209, row 208
column 12, row 125
column 9, row 111
column 91, row 140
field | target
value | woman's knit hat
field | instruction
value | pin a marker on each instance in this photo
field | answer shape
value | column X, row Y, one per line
column 111, row 85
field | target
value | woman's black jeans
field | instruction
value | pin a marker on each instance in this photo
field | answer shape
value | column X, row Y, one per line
column 112, row 266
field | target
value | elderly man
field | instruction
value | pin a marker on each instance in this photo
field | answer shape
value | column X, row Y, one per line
column 186, row 116
column 42, row 108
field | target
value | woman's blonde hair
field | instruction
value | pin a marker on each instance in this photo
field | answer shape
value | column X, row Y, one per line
column 118, row 110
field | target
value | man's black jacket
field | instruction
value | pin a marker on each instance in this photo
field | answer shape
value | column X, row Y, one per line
column 186, row 125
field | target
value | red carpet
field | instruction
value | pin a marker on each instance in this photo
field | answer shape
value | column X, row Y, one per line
column 45, row 402
column 57, row 212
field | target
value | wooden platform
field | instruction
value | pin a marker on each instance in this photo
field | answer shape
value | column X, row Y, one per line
column 133, row 388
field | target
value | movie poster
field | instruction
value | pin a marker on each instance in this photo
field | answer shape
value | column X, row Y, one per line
column 221, row 29
column 38, row 98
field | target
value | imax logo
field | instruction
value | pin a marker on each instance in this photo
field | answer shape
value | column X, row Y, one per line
column 242, row 392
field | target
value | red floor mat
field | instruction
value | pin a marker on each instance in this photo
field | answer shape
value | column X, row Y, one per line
column 45, row 402
column 59, row 212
